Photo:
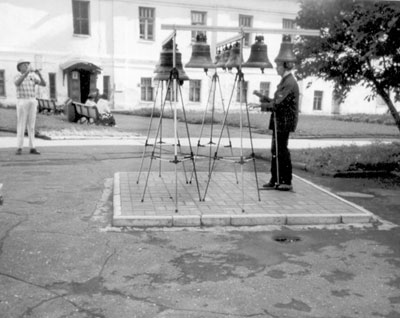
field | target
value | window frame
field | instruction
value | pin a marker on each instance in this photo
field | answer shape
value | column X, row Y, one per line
column 247, row 35
column 317, row 100
column 106, row 85
column 147, row 23
column 203, row 15
column 78, row 21
column 244, row 93
column 265, row 88
column 3, row 83
column 146, row 89
column 195, row 91
column 53, row 86
column 289, row 24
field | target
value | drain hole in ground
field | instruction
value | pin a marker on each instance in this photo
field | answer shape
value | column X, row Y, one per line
column 286, row 239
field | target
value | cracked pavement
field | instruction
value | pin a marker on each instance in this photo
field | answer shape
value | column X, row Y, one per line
column 59, row 256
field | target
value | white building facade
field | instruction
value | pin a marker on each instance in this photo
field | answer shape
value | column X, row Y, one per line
column 114, row 46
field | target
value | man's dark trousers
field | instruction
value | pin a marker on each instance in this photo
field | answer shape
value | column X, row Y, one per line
column 284, row 160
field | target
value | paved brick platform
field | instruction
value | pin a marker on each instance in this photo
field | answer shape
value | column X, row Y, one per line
column 227, row 202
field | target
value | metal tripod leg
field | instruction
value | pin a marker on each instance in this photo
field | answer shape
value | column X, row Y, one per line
column 154, row 146
column 148, row 133
column 212, row 91
column 227, row 131
column 190, row 144
column 175, row 159
column 240, row 79
column 219, row 139
column 276, row 149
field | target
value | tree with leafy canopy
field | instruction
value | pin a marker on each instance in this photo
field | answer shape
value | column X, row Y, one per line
column 359, row 44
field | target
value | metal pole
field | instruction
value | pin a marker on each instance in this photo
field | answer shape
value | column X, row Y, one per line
column 175, row 120
column 276, row 148
column 307, row 32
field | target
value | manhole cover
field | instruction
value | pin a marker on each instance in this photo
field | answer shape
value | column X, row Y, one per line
column 286, row 239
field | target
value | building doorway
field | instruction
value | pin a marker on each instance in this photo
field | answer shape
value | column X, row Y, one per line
column 80, row 84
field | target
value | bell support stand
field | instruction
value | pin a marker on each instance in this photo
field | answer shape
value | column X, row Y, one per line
column 239, row 80
column 215, row 82
column 173, row 84
column 201, row 58
column 146, row 143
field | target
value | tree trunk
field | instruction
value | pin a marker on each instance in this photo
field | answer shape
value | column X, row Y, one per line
column 391, row 106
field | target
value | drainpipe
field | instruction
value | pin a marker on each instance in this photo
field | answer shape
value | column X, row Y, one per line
column 112, row 101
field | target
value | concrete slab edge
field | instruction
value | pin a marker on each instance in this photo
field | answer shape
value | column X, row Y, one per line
column 117, row 197
column 238, row 220
column 360, row 208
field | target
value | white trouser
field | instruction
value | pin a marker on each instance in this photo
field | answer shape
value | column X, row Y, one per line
column 26, row 117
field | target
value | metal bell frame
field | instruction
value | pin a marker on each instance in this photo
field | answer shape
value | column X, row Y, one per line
column 172, row 83
column 174, row 76
column 236, row 61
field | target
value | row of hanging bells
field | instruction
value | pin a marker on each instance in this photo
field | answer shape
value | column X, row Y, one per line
column 230, row 57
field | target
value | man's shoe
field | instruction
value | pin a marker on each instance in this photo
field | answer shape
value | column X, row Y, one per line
column 19, row 151
column 33, row 151
column 284, row 187
column 269, row 186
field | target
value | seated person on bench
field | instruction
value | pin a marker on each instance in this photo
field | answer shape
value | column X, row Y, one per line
column 91, row 100
column 106, row 118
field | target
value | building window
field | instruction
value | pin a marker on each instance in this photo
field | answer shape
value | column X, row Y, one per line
column 198, row 18
column 246, row 21
column 106, row 85
column 2, row 83
column 264, row 88
column 289, row 24
column 194, row 90
column 80, row 11
column 146, row 89
column 317, row 105
column 146, row 23
column 52, row 86
column 244, row 92
column 170, row 94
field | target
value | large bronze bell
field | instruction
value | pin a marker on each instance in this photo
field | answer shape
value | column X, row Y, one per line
column 258, row 55
column 224, row 57
column 165, row 64
column 286, row 51
column 201, row 56
column 235, row 57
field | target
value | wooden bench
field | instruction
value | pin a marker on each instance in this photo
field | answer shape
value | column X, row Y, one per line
column 49, row 106
column 88, row 112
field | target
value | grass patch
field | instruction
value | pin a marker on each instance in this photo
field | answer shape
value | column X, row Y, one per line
column 308, row 125
column 321, row 160
column 384, row 119
column 327, row 161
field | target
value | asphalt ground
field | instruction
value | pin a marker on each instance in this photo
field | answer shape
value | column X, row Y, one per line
column 60, row 256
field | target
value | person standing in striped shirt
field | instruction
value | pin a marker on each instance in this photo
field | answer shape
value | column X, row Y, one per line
column 25, row 83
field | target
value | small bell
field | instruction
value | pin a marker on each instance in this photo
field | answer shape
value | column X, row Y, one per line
column 235, row 57
column 224, row 57
column 201, row 56
column 286, row 51
column 165, row 64
column 258, row 55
